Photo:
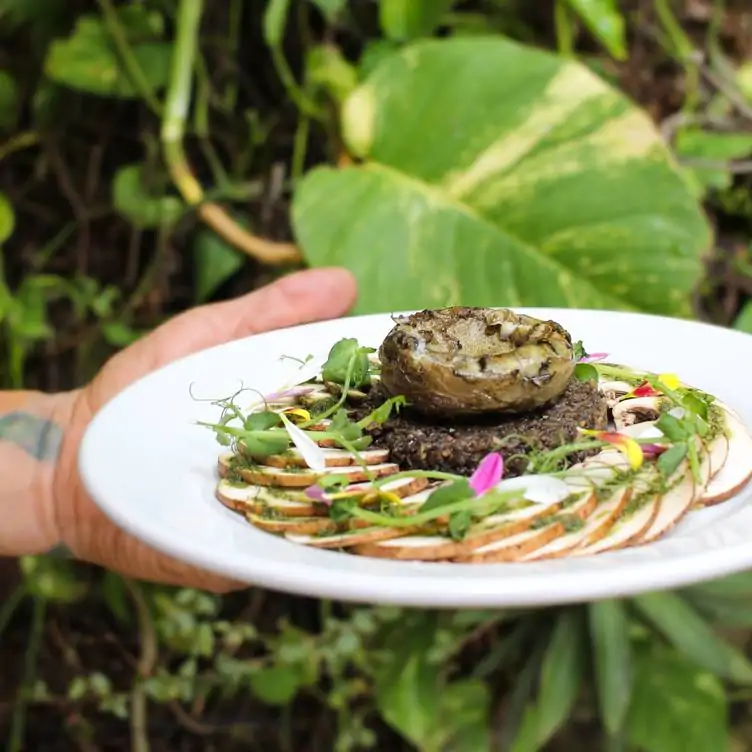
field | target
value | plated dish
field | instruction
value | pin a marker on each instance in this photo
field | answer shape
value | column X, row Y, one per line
column 475, row 436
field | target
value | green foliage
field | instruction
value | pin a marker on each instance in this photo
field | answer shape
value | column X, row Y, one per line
column 87, row 60
column 510, row 199
column 441, row 153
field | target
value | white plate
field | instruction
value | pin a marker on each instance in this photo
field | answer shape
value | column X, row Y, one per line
column 153, row 472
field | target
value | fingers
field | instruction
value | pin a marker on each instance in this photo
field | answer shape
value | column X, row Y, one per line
column 299, row 298
column 93, row 538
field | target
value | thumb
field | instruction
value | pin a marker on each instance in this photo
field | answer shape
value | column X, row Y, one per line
column 298, row 298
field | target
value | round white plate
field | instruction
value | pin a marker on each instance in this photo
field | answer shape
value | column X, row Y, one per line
column 153, row 472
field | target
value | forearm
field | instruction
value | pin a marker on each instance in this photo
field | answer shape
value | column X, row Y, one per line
column 32, row 427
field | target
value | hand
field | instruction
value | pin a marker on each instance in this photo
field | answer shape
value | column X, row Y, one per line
column 298, row 298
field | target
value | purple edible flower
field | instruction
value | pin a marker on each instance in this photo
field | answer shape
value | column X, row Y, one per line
column 295, row 391
column 316, row 493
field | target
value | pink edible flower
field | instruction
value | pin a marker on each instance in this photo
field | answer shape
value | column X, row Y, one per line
column 593, row 357
column 316, row 493
column 488, row 473
column 295, row 391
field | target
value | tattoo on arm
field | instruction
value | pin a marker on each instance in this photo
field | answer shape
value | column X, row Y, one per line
column 37, row 436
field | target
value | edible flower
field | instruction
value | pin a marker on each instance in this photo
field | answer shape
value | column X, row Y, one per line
column 593, row 357
column 540, row 489
column 311, row 452
column 291, row 393
column 645, row 389
column 487, row 474
column 297, row 412
column 627, row 446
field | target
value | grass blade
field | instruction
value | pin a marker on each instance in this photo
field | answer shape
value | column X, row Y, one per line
column 561, row 674
column 693, row 636
column 612, row 659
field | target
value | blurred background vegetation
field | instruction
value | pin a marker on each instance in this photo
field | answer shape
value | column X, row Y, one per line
column 159, row 154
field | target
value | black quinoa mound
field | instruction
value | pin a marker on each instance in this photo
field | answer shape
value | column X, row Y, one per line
column 416, row 443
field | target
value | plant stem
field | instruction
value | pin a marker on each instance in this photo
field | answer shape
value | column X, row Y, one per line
column 9, row 607
column 18, row 722
column 564, row 28
column 132, row 67
column 146, row 662
column 176, row 110
column 18, row 142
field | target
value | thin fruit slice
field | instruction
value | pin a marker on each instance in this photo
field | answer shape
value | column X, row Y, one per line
column 333, row 458
column 634, row 519
column 273, row 476
column 301, row 525
column 543, row 532
column 514, row 547
column 423, row 547
column 256, row 499
column 737, row 470
column 595, row 528
column 350, row 538
column 675, row 503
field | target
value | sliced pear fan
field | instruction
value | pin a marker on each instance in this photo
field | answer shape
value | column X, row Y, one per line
column 602, row 512
column 737, row 469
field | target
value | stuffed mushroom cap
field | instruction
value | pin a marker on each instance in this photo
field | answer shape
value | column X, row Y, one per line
column 459, row 361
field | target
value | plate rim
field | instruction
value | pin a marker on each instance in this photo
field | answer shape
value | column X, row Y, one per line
column 645, row 575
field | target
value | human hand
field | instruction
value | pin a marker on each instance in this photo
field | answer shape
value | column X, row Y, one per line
column 298, row 298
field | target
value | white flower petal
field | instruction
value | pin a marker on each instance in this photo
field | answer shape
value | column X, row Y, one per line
column 311, row 452
column 540, row 489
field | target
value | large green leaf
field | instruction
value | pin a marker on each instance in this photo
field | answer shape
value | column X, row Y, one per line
column 497, row 174
column 676, row 706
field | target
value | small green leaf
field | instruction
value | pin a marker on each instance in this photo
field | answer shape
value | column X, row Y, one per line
column 456, row 491
column 7, row 219
column 338, row 363
column 691, row 634
column 140, row 206
column 260, row 444
column 261, row 421
column 561, row 675
column 275, row 18
column 115, row 596
column 404, row 20
column 586, row 372
column 119, row 334
column 612, row 660
column 670, row 460
column 459, row 524
column 671, row 427
column 276, row 685
column 381, row 414
column 606, row 23
column 87, row 61
column 676, row 706
column 214, row 262
column 8, row 101
column 333, row 482
column 326, row 67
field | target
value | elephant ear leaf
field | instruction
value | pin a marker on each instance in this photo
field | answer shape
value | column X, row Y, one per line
column 486, row 172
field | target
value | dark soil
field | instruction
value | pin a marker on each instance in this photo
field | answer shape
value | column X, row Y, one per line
column 417, row 443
